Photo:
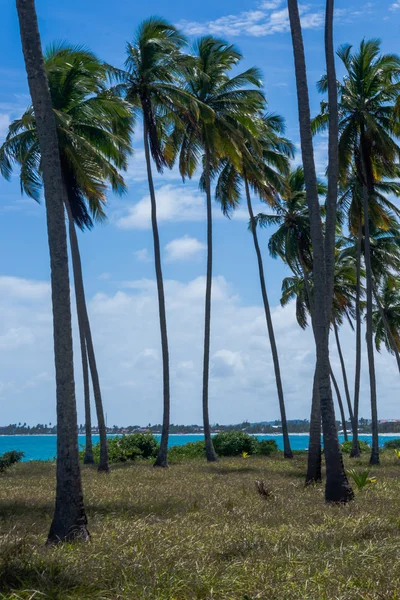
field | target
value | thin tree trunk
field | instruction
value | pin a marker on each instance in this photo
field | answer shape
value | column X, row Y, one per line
column 162, row 458
column 69, row 521
column 386, row 325
column 83, row 322
column 340, row 403
column 337, row 487
column 210, row 452
column 88, row 457
column 275, row 357
column 355, row 450
column 344, row 374
column 314, row 474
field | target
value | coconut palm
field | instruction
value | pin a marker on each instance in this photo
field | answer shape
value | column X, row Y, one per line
column 94, row 127
column 367, row 125
column 69, row 521
column 386, row 316
column 213, row 135
column 151, row 84
column 262, row 164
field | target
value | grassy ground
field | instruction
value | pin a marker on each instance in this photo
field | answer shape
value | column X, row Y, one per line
column 198, row 531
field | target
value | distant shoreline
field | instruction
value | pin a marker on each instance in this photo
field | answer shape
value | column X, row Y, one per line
column 13, row 435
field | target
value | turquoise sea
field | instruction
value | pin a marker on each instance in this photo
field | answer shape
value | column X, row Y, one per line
column 43, row 447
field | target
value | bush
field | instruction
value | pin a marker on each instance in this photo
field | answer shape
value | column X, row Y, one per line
column 127, row 447
column 347, row 446
column 267, row 447
column 233, row 443
column 188, row 451
column 392, row 444
column 10, row 458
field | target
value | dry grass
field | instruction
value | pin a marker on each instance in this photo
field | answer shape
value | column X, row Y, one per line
column 198, row 531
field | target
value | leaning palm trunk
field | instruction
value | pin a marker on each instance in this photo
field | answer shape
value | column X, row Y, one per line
column 374, row 460
column 210, row 452
column 286, row 442
column 337, row 487
column 389, row 333
column 344, row 374
column 340, row 403
column 69, row 521
column 355, row 450
column 314, row 474
column 85, row 332
column 162, row 458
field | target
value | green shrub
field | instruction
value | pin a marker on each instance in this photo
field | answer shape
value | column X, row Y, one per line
column 10, row 458
column 361, row 478
column 187, row 451
column 392, row 444
column 267, row 447
column 347, row 446
column 128, row 447
column 233, row 443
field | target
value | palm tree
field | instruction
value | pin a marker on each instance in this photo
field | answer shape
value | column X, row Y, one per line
column 215, row 131
column 151, row 84
column 69, row 521
column 262, row 174
column 367, row 125
column 386, row 316
column 337, row 486
column 94, row 127
column 292, row 243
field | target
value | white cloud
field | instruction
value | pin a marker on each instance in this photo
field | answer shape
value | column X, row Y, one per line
column 395, row 6
column 142, row 255
column 174, row 203
column 126, row 333
column 104, row 276
column 4, row 124
column 184, row 248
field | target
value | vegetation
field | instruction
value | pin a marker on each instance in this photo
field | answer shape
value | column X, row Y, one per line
column 200, row 530
column 10, row 458
column 127, row 447
column 347, row 446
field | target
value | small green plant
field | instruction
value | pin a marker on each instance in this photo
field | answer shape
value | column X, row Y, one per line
column 392, row 444
column 234, row 443
column 127, row 447
column 267, row 447
column 397, row 452
column 10, row 458
column 361, row 478
column 347, row 446
column 190, row 450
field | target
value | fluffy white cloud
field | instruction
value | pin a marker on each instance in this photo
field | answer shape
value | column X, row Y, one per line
column 127, row 341
column 174, row 203
column 142, row 255
column 184, row 248
column 395, row 5
column 269, row 18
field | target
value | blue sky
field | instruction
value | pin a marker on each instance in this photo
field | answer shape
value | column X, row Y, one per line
column 117, row 257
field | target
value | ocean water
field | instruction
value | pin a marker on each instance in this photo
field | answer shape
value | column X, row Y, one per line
column 43, row 447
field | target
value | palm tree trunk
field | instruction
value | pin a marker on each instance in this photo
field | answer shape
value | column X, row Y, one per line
column 210, row 452
column 88, row 457
column 355, row 450
column 314, row 474
column 84, row 324
column 337, row 487
column 162, row 458
column 286, row 442
column 69, row 521
column 344, row 374
column 386, row 325
column 340, row 403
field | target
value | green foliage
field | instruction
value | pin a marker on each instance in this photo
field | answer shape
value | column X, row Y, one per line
column 233, row 443
column 267, row 447
column 361, row 478
column 187, row 451
column 10, row 458
column 347, row 446
column 128, row 447
column 392, row 444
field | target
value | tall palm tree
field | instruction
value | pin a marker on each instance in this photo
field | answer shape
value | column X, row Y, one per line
column 368, row 128
column 260, row 169
column 151, row 83
column 225, row 108
column 94, row 127
column 337, row 487
column 69, row 521
column 386, row 315
column 292, row 243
